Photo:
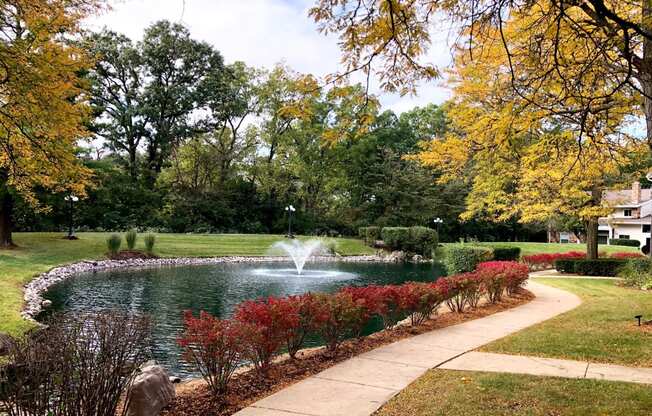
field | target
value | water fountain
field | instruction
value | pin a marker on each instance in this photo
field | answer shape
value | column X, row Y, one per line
column 299, row 251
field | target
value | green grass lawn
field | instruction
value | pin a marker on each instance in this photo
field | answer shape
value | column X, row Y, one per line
column 534, row 248
column 39, row 252
column 461, row 393
column 602, row 329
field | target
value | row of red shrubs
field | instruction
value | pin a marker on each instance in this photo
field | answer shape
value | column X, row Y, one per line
column 547, row 260
column 261, row 329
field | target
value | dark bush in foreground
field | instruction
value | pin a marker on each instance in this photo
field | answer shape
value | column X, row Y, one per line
column 507, row 253
column 76, row 366
column 624, row 242
column 586, row 267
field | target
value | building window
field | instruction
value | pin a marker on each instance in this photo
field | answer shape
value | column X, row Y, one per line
column 627, row 212
column 646, row 228
column 623, row 237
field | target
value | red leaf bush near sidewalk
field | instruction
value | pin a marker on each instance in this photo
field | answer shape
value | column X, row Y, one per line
column 261, row 328
column 547, row 260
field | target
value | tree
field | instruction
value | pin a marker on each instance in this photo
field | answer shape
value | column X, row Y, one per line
column 176, row 68
column 117, row 82
column 523, row 162
column 615, row 38
column 233, row 97
column 43, row 111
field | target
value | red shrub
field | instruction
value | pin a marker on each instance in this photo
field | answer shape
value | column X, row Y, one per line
column 626, row 255
column 502, row 275
column 384, row 301
column 338, row 316
column 214, row 346
column 268, row 322
column 547, row 260
column 421, row 300
column 305, row 308
column 464, row 290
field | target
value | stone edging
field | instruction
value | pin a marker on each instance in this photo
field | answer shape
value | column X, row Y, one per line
column 33, row 291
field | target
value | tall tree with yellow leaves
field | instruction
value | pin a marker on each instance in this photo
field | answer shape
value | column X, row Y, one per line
column 42, row 104
column 523, row 161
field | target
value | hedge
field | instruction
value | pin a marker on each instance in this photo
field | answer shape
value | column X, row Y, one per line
column 369, row 234
column 395, row 237
column 507, row 253
column 419, row 240
column 587, row 267
column 624, row 242
column 423, row 240
column 464, row 258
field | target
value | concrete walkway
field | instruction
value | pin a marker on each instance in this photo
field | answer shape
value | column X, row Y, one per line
column 360, row 385
column 503, row 363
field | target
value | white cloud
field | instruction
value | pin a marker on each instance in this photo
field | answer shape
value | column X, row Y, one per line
column 260, row 33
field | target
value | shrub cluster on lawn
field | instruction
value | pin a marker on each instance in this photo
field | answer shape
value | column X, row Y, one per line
column 587, row 267
column 417, row 240
column 369, row 234
column 74, row 366
column 465, row 258
column 114, row 241
column 637, row 273
column 261, row 329
column 624, row 242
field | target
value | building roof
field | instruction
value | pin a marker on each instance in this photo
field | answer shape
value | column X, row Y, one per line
column 623, row 197
column 624, row 220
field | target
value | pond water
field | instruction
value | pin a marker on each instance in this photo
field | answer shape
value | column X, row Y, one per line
column 164, row 293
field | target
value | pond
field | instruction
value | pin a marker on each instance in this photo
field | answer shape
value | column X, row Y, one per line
column 164, row 293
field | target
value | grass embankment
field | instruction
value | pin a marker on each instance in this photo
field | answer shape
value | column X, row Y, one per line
column 39, row 252
column 601, row 329
column 453, row 393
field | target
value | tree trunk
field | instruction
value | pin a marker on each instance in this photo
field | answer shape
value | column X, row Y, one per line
column 645, row 75
column 592, row 226
column 592, row 238
column 6, row 211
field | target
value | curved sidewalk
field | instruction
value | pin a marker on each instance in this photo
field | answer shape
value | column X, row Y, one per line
column 360, row 385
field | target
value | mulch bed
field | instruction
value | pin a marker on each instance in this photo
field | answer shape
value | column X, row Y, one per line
column 131, row 254
column 194, row 398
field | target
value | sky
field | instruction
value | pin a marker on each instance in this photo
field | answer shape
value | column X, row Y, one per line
column 262, row 33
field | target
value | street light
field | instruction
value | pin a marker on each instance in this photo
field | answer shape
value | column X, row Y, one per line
column 437, row 221
column 71, row 199
column 290, row 209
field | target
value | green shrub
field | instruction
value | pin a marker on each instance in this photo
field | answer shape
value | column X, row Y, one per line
column 396, row 238
column 369, row 234
column 637, row 273
column 131, row 237
column 587, row 267
column 149, row 239
column 423, row 240
column 465, row 258
column 624, row 242
column 506, row 253
column 113, row 243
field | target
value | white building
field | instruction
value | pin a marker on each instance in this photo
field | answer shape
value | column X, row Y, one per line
column 631, row 216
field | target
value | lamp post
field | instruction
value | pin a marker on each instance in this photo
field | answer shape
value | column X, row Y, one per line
column 437, row 222
column 290, row 209
column 71, row 199
column 648, row 176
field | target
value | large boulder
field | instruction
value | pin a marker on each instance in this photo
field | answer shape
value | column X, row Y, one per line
column 150, row 392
